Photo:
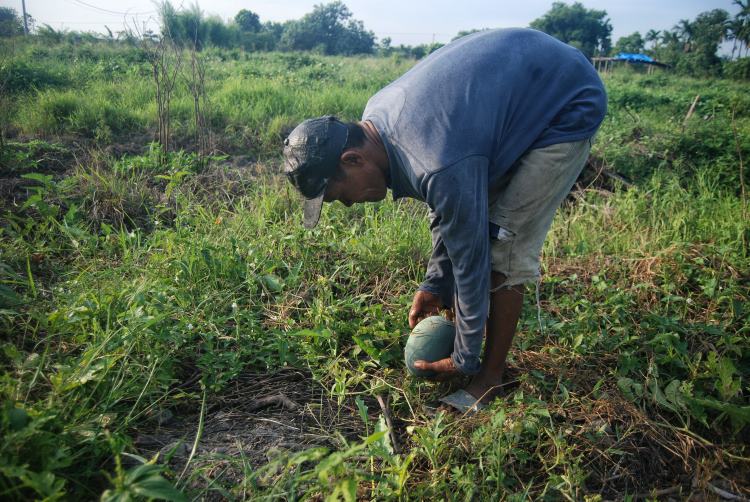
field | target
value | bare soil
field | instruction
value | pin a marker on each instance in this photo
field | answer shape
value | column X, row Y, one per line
column 259, row 417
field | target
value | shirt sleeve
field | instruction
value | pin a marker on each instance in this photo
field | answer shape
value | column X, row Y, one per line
column 439, row 276
column 457, row 196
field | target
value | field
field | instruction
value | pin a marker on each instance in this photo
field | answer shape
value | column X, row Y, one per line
column 169, row 329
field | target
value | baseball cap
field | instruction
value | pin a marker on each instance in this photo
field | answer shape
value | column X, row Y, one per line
column 311, row 157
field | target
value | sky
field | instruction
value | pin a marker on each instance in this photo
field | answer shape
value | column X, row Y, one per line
column 404, row 21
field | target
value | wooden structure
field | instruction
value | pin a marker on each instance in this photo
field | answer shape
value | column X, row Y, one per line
column 605, row 64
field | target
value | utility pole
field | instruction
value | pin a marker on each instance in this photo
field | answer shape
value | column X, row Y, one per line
column 25, row 21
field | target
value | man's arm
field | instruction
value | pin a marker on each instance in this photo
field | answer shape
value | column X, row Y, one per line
column 439, row 276
column 458, row 195
column 436, row 291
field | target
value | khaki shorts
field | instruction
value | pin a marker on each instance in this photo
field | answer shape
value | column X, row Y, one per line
column 523, row 203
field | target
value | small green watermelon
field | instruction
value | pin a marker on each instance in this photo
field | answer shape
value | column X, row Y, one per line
column 430, row 340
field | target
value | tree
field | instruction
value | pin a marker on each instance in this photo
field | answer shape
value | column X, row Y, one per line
column 706, row 33
column 684, row 32
column 669, row 48
column 653, row 36
column 588, row 30
column 191, row 28
column 739, row 28
column 734, row 34
column 219, row 34
column 329, row 29
column 248, row 21
column 691, row 46
column 265, row 38
column 11, row 23
column 463, row 33
column 184, row 27
column 632, row 43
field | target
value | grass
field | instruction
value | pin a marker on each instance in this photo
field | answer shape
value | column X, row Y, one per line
column 136, row 287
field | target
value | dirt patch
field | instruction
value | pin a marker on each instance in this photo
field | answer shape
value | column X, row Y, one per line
column 259, row 417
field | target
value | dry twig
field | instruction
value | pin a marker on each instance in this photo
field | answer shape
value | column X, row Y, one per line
column 691, row 110
column 389, row 423
column 276, row 399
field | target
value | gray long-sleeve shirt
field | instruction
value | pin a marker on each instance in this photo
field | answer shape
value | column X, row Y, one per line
column 455, row 123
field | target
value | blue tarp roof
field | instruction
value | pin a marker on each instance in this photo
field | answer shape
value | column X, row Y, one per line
column 639, row 58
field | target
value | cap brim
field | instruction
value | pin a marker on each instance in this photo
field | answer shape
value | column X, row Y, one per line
column 312, row 210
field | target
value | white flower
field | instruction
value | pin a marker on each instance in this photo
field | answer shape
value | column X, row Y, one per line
column 189, row 326
column 234, row 306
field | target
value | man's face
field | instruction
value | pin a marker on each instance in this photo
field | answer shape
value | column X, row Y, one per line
column 361, row 180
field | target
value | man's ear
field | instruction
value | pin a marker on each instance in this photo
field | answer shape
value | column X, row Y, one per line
column 352, row 158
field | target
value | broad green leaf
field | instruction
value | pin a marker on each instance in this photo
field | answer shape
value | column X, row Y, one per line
column 362, row 407
column 155, row 486
column 385, row 441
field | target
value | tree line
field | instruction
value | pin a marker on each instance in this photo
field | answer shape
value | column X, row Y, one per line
column 690, row 47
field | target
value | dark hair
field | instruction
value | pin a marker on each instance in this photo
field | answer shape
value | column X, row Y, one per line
column 355, row 139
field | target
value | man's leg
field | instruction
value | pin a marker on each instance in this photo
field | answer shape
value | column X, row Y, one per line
column 523, row 206
column 505, row 310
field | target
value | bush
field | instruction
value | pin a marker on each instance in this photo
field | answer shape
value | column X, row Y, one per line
column 49, row 112
column 20, row 76
column 738, row 69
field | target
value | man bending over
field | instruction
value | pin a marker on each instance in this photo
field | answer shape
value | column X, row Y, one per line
column 491, row 131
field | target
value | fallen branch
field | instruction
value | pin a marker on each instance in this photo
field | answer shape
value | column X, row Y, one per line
column 618, row 177
column 389, row 423
column 691, row 110
column 660, row 493
column 276, row 399
column 725, row 494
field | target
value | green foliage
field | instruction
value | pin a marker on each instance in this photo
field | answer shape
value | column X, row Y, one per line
column 738, row 69
column 248, row 21
column 329, row 29
column 691, row 46
column 188, row 27
column 633, row 44
column 98, row 115
column 22, row 75
column 142, row 481
column 123, row 276
column 463, row 33
column 586, row 29
column 11, row 23
column 702, row 38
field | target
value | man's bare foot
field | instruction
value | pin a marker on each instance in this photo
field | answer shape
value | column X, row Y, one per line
column 443, row 367
column 484, row 389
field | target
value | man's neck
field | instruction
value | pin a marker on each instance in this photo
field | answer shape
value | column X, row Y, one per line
column 378, row 148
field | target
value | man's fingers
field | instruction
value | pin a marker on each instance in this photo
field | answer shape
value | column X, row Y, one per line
column 416, row 314
column 413, row 318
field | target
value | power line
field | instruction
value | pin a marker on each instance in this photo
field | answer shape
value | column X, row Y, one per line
column 107, row 11
column 101, row 23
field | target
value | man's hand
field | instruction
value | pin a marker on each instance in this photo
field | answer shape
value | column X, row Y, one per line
column 423, row 305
